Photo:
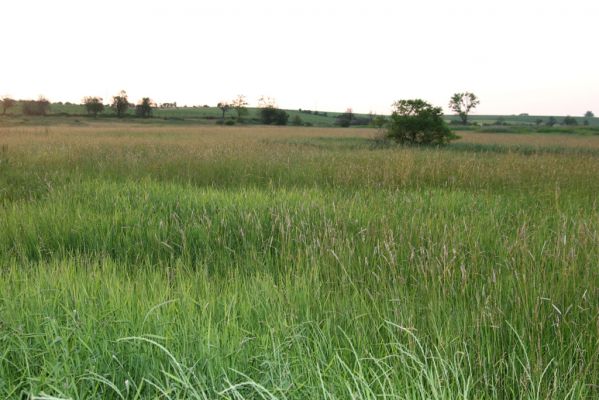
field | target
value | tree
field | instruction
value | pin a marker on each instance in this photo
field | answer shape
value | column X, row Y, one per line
column 417, row 122
column 462, row 103
column 224, row 107
column 7, row 103
column 379, row 121
column 93, row 105
column 570, row 121
column 345, row 120
column 551, row 121
column 539, row 121
column 589, row 114
column 120, row 104
column 145, row 107
column 40, row 106
column 240, row 106
column 270, row 113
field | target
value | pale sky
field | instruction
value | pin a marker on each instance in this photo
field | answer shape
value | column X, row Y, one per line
column 518, row 56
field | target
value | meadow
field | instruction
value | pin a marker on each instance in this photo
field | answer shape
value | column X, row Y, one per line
column 161, row 261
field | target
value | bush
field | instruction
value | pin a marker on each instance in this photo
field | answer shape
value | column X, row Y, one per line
column 36, row 107
column 273, row 116
column 344, row 120
column 229, row 122
column 570, row 121
column 296, row 121
column 416, row 122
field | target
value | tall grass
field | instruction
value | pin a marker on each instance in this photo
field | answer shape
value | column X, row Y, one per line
column 274, row 264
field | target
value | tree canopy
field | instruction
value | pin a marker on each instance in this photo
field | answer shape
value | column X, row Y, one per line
column 417, row 122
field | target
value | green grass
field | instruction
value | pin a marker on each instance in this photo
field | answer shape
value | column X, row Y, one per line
column 146, row 262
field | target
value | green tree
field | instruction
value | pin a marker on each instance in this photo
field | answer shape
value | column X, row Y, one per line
column 7, row 103
column 570, row 121
column 120, row 104
column 462, row 104
column 589, row 114
column 145, row 107
column 551, row 121
column 240, row 105
column 345, row 120
column 269, row 112
column 379, row 121
column 417, row 122
column 93, row 105
column 224, row 107
column 273, row 116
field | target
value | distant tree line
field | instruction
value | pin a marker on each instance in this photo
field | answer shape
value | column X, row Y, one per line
column 412, row 121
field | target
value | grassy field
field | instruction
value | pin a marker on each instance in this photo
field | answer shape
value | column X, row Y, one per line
column 205, row 262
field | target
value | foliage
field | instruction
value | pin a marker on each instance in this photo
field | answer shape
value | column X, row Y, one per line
column 589, row 114
column 145, row 107
column 40, row 106
column 7, row 103
column 273, row 116
column 500, row 121
column 93, row 105
column 570, row 121
column 551, row 121
column 345, row 120
column 296, row 120
column 269, row 113
column 120, row 104
column 198, row 265
column 379, row 121
column 240, row 105
column 417, row 122
column 224, row 106
column 462, row 104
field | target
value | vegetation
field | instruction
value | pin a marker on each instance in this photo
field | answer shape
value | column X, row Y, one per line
column 93, row 105
column 345, row 120
column 143, row 261
column 40, row 106
column 7, row 103
column 570, row 121
column 145, row 107
column 240, row 105
column 224, row 107
column 416, row 122
column 463, row 103
column 120, row 104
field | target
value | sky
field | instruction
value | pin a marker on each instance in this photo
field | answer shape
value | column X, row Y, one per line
column 518, row 56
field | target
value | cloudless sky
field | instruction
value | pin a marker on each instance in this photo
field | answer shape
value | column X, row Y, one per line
column 533, row 56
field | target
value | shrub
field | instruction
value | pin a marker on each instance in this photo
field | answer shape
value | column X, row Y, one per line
column 93, row 105
column 344, row 120
column 229, row 122
column 271, row 115
column 417, row 122
column 296, row 121
column 36, row 107
column 570, row 121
